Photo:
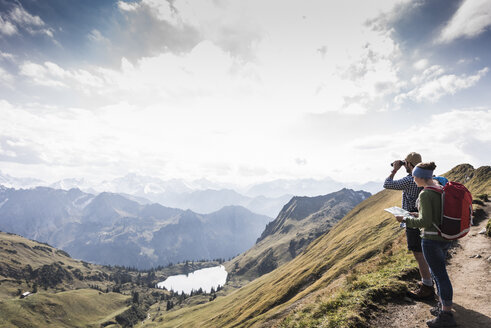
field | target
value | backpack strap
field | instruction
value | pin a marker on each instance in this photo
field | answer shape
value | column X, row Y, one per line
column 437, row 189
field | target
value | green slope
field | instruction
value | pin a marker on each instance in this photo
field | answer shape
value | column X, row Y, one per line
column 364, row 232
column 75, row 308
column 62, row 299
column 478, row 181
column 341, row 275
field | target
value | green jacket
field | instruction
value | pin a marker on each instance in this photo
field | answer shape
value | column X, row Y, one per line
column 430, row 212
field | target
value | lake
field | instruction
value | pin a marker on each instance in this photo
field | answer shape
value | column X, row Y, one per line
column 203, row 278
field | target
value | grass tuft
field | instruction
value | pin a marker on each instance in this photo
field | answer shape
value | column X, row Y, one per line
column 364, row 289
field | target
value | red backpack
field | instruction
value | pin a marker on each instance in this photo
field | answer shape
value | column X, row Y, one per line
column 456, row 210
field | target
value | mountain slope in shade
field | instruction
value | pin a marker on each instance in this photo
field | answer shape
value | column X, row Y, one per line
column 301, row 220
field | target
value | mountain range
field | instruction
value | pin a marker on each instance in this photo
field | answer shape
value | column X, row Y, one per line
column 201, row 196
column 109, row 228
column 341, row 279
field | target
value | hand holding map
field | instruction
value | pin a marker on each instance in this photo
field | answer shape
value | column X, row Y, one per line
column 397, row 211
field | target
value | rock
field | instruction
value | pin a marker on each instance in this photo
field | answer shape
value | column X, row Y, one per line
column 483, row 231
column 489, row 259
column 408, row 299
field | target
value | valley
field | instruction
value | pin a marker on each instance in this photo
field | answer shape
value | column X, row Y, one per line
column 342, row 278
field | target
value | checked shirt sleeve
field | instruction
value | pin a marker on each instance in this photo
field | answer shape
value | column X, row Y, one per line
column 401, row 184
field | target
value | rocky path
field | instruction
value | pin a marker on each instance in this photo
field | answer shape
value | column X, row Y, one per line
column 470, row 273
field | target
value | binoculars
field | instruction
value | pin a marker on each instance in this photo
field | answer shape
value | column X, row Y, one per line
column 400, row 162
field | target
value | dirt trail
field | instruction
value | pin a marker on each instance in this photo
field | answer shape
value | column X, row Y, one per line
column 470, row 273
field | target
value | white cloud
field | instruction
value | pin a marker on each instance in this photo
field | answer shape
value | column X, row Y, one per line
column 21, row 16
column 5, row 77
column 96, row 36
column 435, row 85
column 227, row 102
column 6, row 27
column 19, row 19
column 50, row 74
column 355, row 109
column 471, row 19
column 40, row 75
column 451, row 138
column 126, row 6
column 431, row 73
column 421, row 64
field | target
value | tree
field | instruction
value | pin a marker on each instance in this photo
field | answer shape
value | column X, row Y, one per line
column 136, row 297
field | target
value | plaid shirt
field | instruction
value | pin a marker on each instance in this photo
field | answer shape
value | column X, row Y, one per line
column 410, row 191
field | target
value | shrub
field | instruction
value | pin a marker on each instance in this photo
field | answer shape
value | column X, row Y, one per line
column 51, row 275
column 483, row 197
column 131, row 316
column 61, row 252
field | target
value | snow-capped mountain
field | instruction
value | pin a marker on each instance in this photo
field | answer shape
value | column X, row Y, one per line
column 19, row 183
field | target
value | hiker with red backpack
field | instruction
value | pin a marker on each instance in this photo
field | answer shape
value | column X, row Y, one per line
column 444, row 214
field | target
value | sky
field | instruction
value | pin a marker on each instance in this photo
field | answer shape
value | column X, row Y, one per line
column 242, row 91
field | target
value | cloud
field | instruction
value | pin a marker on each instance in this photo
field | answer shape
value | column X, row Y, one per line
column 133, row 40
column 300, row 161
column 421, row 64
column 6, row 27
column 22, row 17
column 471, row 19
column 126, row 6
column 18, row 18
column 183, row 24
column 50, row 74
column 435, row 85
column 96, row 36
column 40, row 75
column 19, row 151
column 355, row 109
column 5, row 77
column 6, row 55
column 451, row 138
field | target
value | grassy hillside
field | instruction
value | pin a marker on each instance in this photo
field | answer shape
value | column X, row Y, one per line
column 478, row 181
column 62, row 298
column 365, row 232
column 75, row 308
column 73, row 293
column 23, row 260
column 335, row 282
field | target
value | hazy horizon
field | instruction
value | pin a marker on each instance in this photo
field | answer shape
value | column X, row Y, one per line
column 242, row 93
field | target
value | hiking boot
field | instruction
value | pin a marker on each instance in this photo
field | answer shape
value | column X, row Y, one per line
column 423, row 293
column 436, row 309
column 444, row 319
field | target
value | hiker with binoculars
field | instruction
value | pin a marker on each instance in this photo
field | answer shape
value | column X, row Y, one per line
column 410, row 192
